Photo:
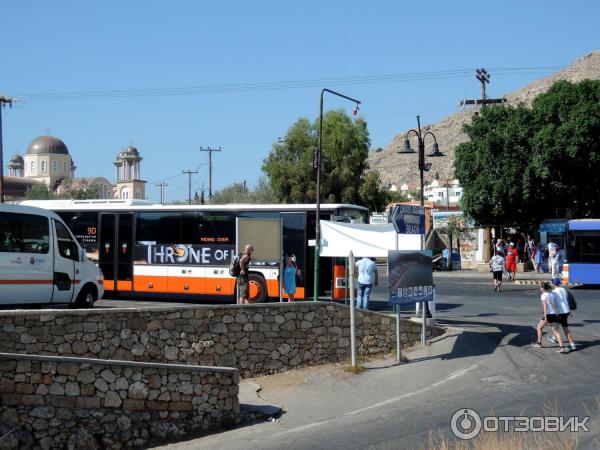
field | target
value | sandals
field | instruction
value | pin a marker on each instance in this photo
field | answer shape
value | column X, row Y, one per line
column 562, row 350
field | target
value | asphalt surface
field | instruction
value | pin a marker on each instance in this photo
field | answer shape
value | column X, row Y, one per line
column 484, row 362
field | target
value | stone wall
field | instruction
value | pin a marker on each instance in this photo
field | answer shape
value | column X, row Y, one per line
column 54, row 402
column 256, row 339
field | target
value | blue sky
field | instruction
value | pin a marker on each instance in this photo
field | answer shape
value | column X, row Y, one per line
column 67, row 47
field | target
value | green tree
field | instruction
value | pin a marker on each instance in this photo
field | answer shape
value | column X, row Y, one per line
column 289, row 166
column 39, row 192
column 566, row 147
column 371, row 193
column 523, row 164
column 82, row 191
column 239, row 193
column 493, row 167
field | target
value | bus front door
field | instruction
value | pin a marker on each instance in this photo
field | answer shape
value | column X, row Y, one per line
column 116, row 251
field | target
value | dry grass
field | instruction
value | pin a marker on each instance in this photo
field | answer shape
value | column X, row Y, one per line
column 507, row 441
column 512, row 440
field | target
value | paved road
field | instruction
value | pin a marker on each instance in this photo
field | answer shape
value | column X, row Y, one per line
column 485, row 363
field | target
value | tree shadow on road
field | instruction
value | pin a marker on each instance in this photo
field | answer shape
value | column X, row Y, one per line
column 481, row 343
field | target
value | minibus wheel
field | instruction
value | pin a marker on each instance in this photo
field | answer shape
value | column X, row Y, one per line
column 86, row 298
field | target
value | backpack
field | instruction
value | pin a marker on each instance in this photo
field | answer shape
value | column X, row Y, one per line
column 234, row 266
column 572, row 302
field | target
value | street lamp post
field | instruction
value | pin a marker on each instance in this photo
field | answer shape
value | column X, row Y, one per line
column 317, row 164
column 423, row 167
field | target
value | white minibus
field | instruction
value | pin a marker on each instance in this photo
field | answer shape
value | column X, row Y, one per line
column 41, row 262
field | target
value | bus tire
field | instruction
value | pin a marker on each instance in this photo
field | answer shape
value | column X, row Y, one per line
column 257, row 285
column 86, row 298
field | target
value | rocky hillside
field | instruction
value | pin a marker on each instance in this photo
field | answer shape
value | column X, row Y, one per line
column 402, row 168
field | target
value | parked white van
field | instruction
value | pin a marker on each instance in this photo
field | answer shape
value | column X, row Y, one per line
column 42, row 263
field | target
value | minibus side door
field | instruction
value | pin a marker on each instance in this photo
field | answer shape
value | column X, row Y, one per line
column 66, row 256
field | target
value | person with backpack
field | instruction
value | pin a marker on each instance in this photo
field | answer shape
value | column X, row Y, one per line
column 564, row 306
column 549, row 304
column 242, row 278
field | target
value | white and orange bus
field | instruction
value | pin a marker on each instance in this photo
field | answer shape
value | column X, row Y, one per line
column 183, row 251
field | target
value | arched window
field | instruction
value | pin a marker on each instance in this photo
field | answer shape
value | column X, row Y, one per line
column 32, row 168
column 64, row 166
column 43, row 167
column 54, row 166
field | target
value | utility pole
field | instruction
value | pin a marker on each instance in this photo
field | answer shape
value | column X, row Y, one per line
column 189, row 173
column 210, row 150
column 484, row 78
column 4, row 100
column 162, row 185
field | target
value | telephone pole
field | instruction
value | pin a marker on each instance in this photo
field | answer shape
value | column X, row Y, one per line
column 189, row 173
column 210, row 150
column 162, row 185
column 484, row 78
column 4, row 100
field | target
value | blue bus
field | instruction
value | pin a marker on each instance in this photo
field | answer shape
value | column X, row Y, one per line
column 582, row 265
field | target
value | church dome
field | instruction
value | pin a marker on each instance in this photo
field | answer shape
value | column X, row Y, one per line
column 45, row 145
column 129, row 153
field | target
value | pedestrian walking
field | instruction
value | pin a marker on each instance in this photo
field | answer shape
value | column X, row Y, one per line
column 290, row 272
column 520, row 250
column 550, row 316
column 497, row 268
column 242, row 279
column 500, row 247
column 538, row 257
column 511, row 261
column 563, row 311
column 553, row 261
column 367, row 276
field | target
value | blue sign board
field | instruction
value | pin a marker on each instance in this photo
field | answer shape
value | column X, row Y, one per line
column 409, row 219
column 553, row 227
column 410, row 276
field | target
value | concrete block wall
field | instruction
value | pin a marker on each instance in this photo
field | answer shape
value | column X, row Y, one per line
column 256, row 339
column 80, row 403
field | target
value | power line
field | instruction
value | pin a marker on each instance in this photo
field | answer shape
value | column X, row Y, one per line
column 290, row 84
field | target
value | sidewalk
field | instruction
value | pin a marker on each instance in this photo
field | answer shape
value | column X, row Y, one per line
column 286, row 403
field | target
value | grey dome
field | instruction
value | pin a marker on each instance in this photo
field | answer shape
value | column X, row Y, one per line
column 129, row 153
column 45, row 145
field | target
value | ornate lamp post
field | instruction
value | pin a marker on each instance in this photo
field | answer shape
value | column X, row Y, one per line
column 423, row 167
column 317, row 164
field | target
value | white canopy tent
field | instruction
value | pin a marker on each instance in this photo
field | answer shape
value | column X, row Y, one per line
column 337, row 239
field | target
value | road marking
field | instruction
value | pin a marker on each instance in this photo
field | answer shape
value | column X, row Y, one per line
column 450, row 377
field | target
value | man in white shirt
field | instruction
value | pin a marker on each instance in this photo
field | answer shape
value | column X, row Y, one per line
column 367, row 276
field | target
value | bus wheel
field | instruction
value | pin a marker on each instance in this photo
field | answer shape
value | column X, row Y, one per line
column 258, row 288
column 86, row 298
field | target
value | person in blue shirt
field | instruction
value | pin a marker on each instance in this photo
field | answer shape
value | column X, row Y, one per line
column 367, row 276
column 290, row 272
